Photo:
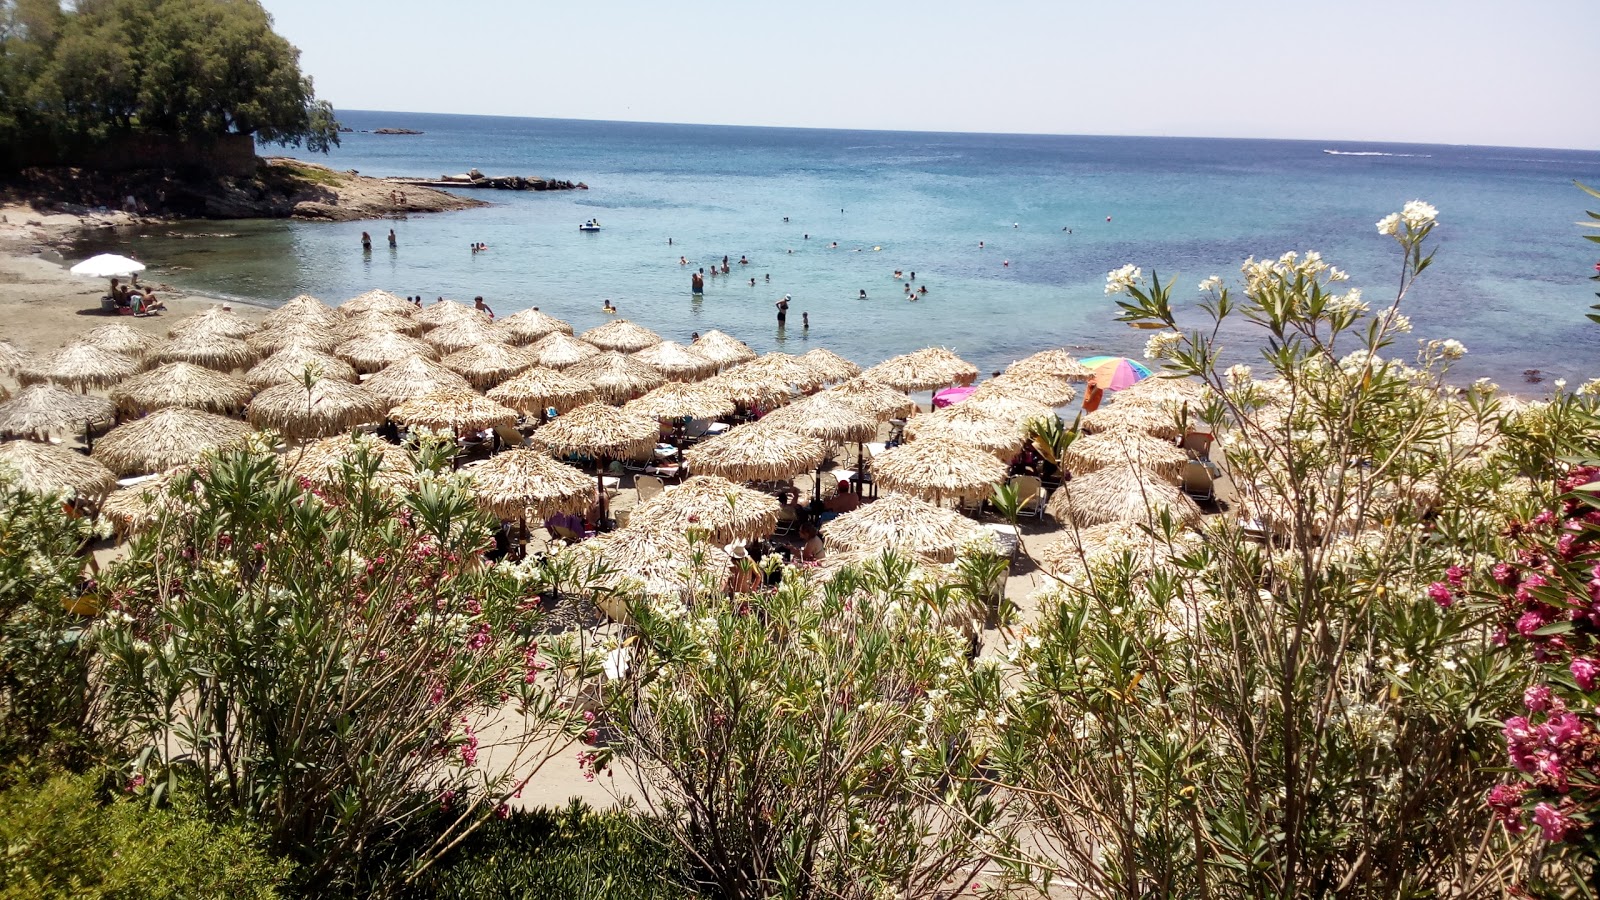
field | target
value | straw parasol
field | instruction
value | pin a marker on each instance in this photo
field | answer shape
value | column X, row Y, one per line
column 378, row 320
column 371, row 352
column 1051, row 364
column 923, row 370
column 1080, row 545
column 453, row 409
column 290, row 364
column 904, row 523
column 326, row 408
column 934, row 469
column 561, row 350
column 723, row 511
column 120, row 337
column 830, row 365
column 756, row 453
column 82, row 366
column 538, row 389
column 877, row 400
column 968, row 426
column 1009, row 408
column 1122, row 447
column 136, row 508
column 209, row 349
column 750, row 388
column 678, row 399
column 467, row 333
column 181, row 384
column 40, row 409
column 596, row 429
column 675, row 361
column 487, row 364
column 302, row 311
column 309, row 335
column 522, row 482
column 13, row 356
column 622, row 336
column 413, row 377
column 218, row 320
column 376, row 301
column 166, row 438
column 658, row 562
column 1122, row 494
column 444, row 312
column 1045, row 389
column 530, row 325
column 1158, row 392
column 616, row 378
column 323, row 462
column 722, row 348
column 824, row 418
column 1116, row 417
column 780, row 368
column 48, row 469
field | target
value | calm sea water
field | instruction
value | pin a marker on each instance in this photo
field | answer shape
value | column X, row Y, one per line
column 1509, row 280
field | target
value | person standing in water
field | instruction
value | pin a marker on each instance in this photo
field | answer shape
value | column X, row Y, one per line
column 805, row 321
column 480, row 306
column 783, row 310
column 366, row 242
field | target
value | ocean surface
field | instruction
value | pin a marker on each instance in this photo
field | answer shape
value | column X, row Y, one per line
column 1510, row 279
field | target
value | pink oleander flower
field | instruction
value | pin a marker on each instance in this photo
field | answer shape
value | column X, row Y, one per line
column 1584, row 671
column 1506, row 801
column 1530, row 622
column 1563, row 728
column 1504, row 574
column 1551, row 771
column 1456, row 575
column 1555, row 824
column 1537, row 697
column 1439, row 592
column 1522, row 742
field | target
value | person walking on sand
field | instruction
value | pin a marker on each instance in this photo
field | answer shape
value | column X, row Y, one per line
column 783, row 310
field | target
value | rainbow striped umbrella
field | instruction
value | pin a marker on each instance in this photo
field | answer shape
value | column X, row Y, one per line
column 1113, row 373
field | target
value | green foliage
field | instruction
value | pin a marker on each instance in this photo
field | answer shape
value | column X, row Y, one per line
column 62, row 839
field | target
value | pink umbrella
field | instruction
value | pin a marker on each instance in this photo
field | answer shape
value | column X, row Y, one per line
column 1113, row 373
column 952, row 396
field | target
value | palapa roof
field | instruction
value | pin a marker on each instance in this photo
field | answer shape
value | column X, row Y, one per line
column 44, row 408
column 537, row 389
column 1159, row 391
column 303, row 310
column 1119, row 494
column 413, row 377
column 750, row 388
column 658, row 562
column 376, row 320
column 48, row 469
column 904, row 523
column 720, row 509
column 1043, row 389
column 524, row 481
column 1009, row 407
column 376, row 300
column 453, row 409
column 308, row 335
column 371, row 352
column 82, row 366
column 1122, row 447
column 529, row 325
column 968, row 426
column 780, row 369
column 1080, row 545
column 290, row 365
column 673, row 360
column 443, row 312
column 181, row 384
column 486, row 365
column 934, row 469
column 466, row 333
column 123, row 338
column 722, row 348
column 327, row 408
column 168, row 437
column 622, row 336
column 1055, row 363
column 135, row 508
column 217, row 320
column 616, row 378
column 561, row 350
column 209, row 349
column 923, row 370
column 830, row 365
column 825, row 418
column 1150, row 420
column 13, row 356
column 874, row 398
column 755, row 453
column 596, row 429
column 679, row 399
column 323, row 462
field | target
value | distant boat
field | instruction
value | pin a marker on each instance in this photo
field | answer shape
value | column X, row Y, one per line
column 591, row 225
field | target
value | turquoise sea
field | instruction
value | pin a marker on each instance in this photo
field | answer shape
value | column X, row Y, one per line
column 1510, row 279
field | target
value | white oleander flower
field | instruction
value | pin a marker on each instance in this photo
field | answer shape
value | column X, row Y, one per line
column 1485, row 386
column 1337, row 274
column 1161, row 344
column 1452, row 349
column 1389, row 224
column 1590, row 388
column 1118, row 281
column 1214, row 283
column 1349, row 303
column 1238, row 375
column 1560, row 384
column 1418, row 215
column 1397, row 322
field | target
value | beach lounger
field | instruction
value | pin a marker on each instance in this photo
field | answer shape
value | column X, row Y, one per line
column 509, row 436
column 1030, row 495
column 1197, row 480
column 648, row 486
column 1197, row 444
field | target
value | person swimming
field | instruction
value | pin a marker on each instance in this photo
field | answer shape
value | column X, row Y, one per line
column 863, row 293
column 608, row 307
column 922, row 289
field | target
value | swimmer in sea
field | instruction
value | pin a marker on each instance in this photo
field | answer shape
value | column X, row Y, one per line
column 834, row 245
column 683, row 261
column 752, row 282
column 863, row 293
column 922, row 289
column 980, row 245
column 608, row 307
column 769, row 277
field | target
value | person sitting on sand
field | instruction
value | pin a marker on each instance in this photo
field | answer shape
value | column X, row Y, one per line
column 843, row 500
column 479, row 305
column 152, row 303
column 811, row 547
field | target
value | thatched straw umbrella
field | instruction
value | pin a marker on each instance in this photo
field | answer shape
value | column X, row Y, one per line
column 660, row 563
column 82, row 366
column 539, row 389
column 1078, row 546
column 465, row 334
column 877, row 400
column 413, row 377
column 214, row 351
column 323, row 462
column 13, row 356
column 302, row 311
column 377, row 320
column 1122, row 447
column 41, row 409
column 780, row 368
column 598, row 430
column 218, row 320
column 444, row 312
column 756, row 453
column 290, row 364
column 722, row 349
column 167, row 437
column 903, row 523
column 309, row 335
column 530, row 325
column 120, row 337
column 923, row 370
column 616, row 378
column 718, row 508
column 1116, row 417
column 750, row 388
column 326, row 408
column 561, row 350
column 453, row 410
column 622, row 336
column 371, row 352
column 675, row 361
column 934, row 469
column 969, row 426
column 1052, row 364
column 488, row 364
column 1157, row 391
column 1119, row 494
column 521, row 482
column 377, row 301
column 1044, row 389
column 181, row 384
column 824, row 418
column 678, row 399
column 1009, row 408
column 48, row 469
column 133, row 509
column 830, row 365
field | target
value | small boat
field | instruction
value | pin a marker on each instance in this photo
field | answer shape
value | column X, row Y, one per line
column 591, row 225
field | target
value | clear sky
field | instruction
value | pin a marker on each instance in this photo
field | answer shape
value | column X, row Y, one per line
column 1430, row 71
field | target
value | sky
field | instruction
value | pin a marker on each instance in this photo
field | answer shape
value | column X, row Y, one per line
column 1423, row 71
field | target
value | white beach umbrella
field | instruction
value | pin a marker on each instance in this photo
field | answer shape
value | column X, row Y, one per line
column 107, row 265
